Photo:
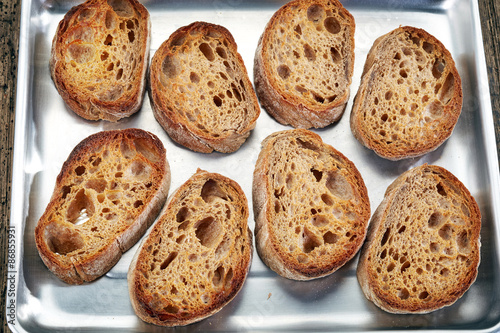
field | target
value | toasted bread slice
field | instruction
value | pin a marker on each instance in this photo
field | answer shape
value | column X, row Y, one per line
column 200, row 91
column 197, row 256
column 99, row 58
column 311, row 206
column 110, row 189
column 304, row 63
column 422, row 248
column 410, row 95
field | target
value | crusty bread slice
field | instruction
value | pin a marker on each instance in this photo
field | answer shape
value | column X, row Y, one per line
column 311, row 206
column 422, row 248
column 109, row 190
column 197, row 256
column 99, row 58
column 304, row 63
column 410, row 95
column 200, row 91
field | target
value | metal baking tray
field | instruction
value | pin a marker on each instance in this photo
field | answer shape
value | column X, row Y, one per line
column 46, row 131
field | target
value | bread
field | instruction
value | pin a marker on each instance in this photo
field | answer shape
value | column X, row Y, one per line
column 197, row 256
column 304, row 63
column 311, row 206
column 99, row 58
column 422, row 248
column 109, row 190
column 200, row 91
column 410, row 95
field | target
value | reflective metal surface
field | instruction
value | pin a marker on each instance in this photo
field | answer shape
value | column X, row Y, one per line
column 46, row 132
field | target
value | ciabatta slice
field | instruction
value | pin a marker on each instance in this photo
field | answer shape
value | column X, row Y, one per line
column 109, row 190
column 304, row 63
column 422, row 248
column 200, row 91
column 410, row 95
column 311, row 206
column 197, row 256
column 99, row 58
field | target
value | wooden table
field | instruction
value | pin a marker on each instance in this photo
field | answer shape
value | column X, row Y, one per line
column 9, row 39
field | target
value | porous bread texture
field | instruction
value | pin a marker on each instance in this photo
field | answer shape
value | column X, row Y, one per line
column 99, row 58
column 200, row 91
column 410, row 95
column 423, row 243
column 311, row 206
column 197, row 256
column 304, row 63
column 109, row 190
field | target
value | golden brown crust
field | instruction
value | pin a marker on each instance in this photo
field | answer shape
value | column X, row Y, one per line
column 410, row 95
column 108, row 192
column 200, row 91
column 197, row 256
column 311, row 206
column 99, row 58
column 422, row 247
column 303, row 70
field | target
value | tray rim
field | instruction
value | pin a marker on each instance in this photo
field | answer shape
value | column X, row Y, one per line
column 22, row 135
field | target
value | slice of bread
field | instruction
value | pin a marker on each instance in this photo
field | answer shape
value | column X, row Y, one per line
column 197, row 256
column 310, row 204
column 200, row 91
column 304, row 63
column 99, row 58
column 422, row 248
column 410, row 95
column 109, row 190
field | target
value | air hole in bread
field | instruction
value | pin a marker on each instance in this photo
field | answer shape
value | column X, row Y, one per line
column 81, row 204
column 317, row 174
column 109, row 40
column 332, row 25
column 403, row 73
column 222, row 249
column 169, row 67
column 207, row 51
column 315, row 13
column 218, row 276
column 98, row 185
column 309, row 240
column 61, row 239
column 327, row 199
column 319, row 221
column 168, row 260
column 339, row 186
column 131, row 36
column 428, row 47
column 435, row 220
column 445, row 232
column 309, row 52
column 388, row 95
column 194, row 78
column 385, row 237
column 121, row 8
column 208, row 231
column 438, row 68
column 318, row 98
column 110, row 67
column 211, row 191
column 405, row 266
column 284, row 71
column 86, row 14
column 144, row 147
column 277, row 206
column 182, row 214
column 440, row 189
column 171, row 309
column 434, row 110
column 336, row 56
column 217, row 101
column 406, row 51
column 119, row 74
column 81, row 53
column 65, row 191
column 300, row 89
column 111, row 94
column 228, row 279
column 444, row 272
column 390, row 267
column 298, row 30
column 403, row 294
column 221, row 52
column 302, row 258
column 110, row 20
column 236, row 92
column 463, row 242
column 330, row 238
column 446, row 92
column 415, row 40
column 383, row 254
column 138, row 203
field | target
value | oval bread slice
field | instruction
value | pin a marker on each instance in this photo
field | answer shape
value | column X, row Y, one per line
column 109, row 190
column 410, row 95
column 422, row 248
column 197, row 256
column 200, row 91
column 99, row 58
column 304, row 63
column 311, row 206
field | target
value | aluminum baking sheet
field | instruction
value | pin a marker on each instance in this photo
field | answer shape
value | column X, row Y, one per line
column 46, row 131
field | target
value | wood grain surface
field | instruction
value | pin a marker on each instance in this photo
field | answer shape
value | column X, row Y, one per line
column 9, row 40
